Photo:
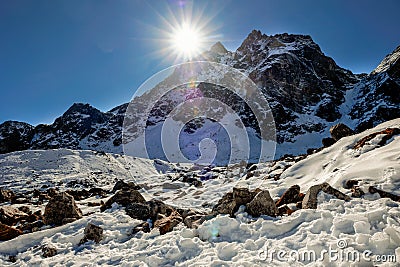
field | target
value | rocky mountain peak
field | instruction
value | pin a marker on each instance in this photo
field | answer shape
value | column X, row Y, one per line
column 218, row 48
column 390, row 64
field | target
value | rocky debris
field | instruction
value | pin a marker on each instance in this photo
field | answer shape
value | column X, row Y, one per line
column 328, row 141
column 292, row 195
column 349, row 184
column 158, row 208
column 48, row 251
column 6, row 195
column 61, row 209
column 92, row 232
column 310, row 199
column 166, row 224
column 389, row 133
column 10, row 215
column 340, row 130
column 242, row 195
column 123, row 185
column 357, row 192
column 8, row 232
column 384, row 194
column 124, row 197
column 231, row 201
column 262, row 204
column 191, row 179
column 84, row 194
column 139, row 211
column 284, row 210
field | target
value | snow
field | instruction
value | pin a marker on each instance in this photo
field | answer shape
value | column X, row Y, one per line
column 362, row 224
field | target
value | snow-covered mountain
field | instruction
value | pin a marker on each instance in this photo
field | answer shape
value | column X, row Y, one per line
column 306, row 90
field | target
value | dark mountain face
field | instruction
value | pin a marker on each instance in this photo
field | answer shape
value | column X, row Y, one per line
column 307, row 92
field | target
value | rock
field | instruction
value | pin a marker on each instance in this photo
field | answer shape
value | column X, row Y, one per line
column 167, row 224
column 384, row 194
column 242, row 196
column 310, row 199
column 340, row 130
column 193, row 221
column 284, row 210
column 78, row 194
column 10, row 215
column 31, row 227
column 144, row 227
column 8, row 232
column 262, row 204
column 349, row 184
column 6, row 195
column 96, row 191
column 124, row 197
column 123, row 185
column 60, row 207
column 357, row 192
column 226, row 205
column 328, row 141
column 92, row 232
column 292, row 195
column 138, row 211
column 334, row 192
column 158, row 207
column 48, row 251
column 388, row 133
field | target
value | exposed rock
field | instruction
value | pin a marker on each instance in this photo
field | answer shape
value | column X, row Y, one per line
column 124, row 197
column 48, row 251
column 340, row 130
column 310, row 199
column 292, row 195
column 143, row 227
column 334, row 192
column 60, row 207
column 349, row 184
column 262, row 204
column 10, row 215
column 6, row 195
column 8, row 232
column 242, row 196
column 328, row 141
column 138, row 211
column 123, row 185
column 92, row 232
column 226, row 205
column 284, row 210
column 384, row 194
column 389, row 133
column 158, row 207
column 357, row 192
column 167, row 224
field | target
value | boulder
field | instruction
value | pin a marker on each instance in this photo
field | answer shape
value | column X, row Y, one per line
column 167, row 224
column 138, row 211
column 328, row 141
column 226, row 205
column 6, row 195
column 123, row 185
column 262, row 204
column 92, row 232
column 61, row 207
column 310, row 199
column 384, row 194
column 291, row 195
column 8, row 232
column 143, row 227
column 124, row 197
column 284, row 210
column 242, row 196
column 357, row 192
column 10, row 215
column 349, row 184
column 340, row 130
column 334, row 192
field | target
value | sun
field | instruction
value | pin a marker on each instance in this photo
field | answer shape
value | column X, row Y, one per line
column 187, row 41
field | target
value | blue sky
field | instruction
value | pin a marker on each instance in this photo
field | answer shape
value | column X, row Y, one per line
column 54, row 53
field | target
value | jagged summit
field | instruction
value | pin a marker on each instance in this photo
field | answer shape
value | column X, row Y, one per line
column 391, row 64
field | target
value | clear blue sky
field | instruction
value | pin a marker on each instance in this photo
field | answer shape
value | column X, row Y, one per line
column 54, row 53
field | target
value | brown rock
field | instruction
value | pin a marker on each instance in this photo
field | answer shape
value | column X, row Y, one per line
column 7, row 232
column 383, row 194
column 349, row 184
column 292, row 195
column 226, row 205
column 334, row 192
column 167, row 224
column 143, row 227
column 389, row 133
column 124, row 197
column 6, row 195
column 242, row 196
column 310, row 199
column 60, row 207
column 138, row 211
column 10, row 215
column 284, row 210
column 92, row 232
column 357, row 192
column 262, row 204
column 340, row 130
